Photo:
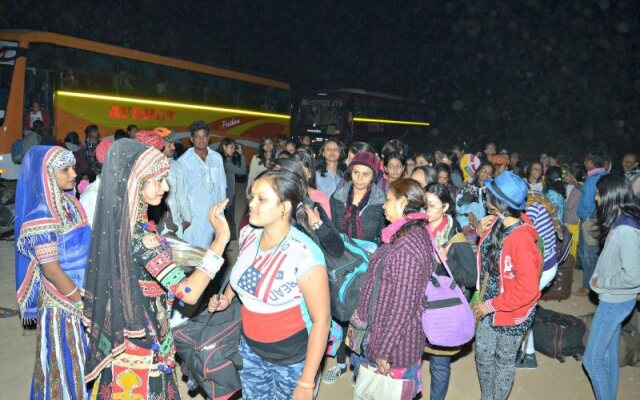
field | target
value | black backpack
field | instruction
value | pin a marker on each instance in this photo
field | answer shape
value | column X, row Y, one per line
column 208, row 346
column 559, row 335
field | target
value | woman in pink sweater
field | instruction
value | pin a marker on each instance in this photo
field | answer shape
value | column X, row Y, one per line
column 399, row 269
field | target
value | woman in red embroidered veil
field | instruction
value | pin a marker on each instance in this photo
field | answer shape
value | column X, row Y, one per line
column 132, row 280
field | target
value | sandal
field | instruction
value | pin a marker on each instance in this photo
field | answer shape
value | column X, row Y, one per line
column 7, row 312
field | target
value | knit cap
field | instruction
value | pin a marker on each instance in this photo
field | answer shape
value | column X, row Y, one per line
column 367, row 159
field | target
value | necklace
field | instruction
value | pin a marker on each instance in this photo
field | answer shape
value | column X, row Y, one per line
column 272, row 253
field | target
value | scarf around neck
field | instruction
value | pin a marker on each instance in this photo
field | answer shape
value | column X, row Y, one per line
column 353, row 211
column 393, row 228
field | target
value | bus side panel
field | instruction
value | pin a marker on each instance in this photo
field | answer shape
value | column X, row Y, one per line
column 75, row 113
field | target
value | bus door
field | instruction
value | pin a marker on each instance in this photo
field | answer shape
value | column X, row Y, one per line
column 39, row 86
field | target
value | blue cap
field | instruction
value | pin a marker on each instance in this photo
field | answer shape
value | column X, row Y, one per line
column 509, row 188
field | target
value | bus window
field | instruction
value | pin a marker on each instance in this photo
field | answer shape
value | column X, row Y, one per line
column 219, row 91
column 6, row 71
column 321, row 113
column 253, row 96
column 38, row 88
column 279, row 99
column 7, row 61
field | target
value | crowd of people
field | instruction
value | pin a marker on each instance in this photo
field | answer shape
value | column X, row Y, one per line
column 95, row 271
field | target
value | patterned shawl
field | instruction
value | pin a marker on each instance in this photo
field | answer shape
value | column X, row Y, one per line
column 45, row 215
column 113, row 302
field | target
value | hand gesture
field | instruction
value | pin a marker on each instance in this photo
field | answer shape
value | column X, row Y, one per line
column 485, row 223
column 239, row 148
column 383, row 366
column 218, row 221
column 313, row 216
column 479, row 311
column 218, row 303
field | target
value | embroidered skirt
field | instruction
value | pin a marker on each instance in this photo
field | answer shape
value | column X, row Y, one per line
column 61, row 345
column 135, row 375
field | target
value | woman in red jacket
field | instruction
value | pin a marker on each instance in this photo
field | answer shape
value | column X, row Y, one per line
column 509, row 265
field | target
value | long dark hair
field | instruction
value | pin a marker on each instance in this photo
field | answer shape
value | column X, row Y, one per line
column 394, row 156
column 262, row 157
column 392, row 146
column 428, row 156
column 497, row 230
column 321, row 163
column 526, row 172
column 411, row 190
column 430, row 173
column 357, row 147
column 616, row 198
column 235, row 157
column 553, row 180
column 304, row 158
column 443, row 194
column 476, row 178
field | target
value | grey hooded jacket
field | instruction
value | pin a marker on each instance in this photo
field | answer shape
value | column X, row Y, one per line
column 618, row 268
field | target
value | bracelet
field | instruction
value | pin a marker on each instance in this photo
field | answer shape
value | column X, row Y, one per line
column 306, row 385
column 211, row 264
column 75, row 289
column 316, row 226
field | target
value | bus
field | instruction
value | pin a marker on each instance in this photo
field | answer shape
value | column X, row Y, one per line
column 78, row 82
column 358, row 115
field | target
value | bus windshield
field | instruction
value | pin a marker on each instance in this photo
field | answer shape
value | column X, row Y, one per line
column 7, row 61
column 320, row 112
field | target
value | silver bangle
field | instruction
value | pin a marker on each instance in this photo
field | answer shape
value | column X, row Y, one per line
column 211, row 264
column 75, row 289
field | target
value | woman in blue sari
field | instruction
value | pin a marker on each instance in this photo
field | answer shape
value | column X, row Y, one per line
column 52, row 248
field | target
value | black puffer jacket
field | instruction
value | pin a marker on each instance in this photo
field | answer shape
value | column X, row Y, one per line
column 371, row 218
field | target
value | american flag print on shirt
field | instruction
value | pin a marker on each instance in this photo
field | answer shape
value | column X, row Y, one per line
column 250, row 279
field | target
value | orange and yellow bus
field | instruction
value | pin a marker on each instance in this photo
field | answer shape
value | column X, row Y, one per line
column 79, row 82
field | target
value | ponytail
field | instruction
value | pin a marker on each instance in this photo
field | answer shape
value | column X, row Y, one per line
column 301, row 218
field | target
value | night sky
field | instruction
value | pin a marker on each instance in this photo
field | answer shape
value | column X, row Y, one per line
column 531, row 75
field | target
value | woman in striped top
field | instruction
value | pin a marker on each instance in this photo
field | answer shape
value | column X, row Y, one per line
column 543, row 223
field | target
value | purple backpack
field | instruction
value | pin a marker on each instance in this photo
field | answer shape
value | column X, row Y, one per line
column 447, row 319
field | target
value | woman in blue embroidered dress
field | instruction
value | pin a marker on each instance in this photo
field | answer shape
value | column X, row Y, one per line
column 132, row 279
column 51, row 257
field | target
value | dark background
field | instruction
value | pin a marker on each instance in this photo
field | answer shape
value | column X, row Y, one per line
column 531, row 75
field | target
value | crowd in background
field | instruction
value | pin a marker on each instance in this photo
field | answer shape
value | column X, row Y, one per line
column 496, row 220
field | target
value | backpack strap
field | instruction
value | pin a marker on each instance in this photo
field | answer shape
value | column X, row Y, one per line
column 376, row 286
column 440, row 257
column 225, row 282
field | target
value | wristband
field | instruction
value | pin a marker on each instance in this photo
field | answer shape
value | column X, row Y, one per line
column 211, row 264
column 306, row 385
column 75, row 289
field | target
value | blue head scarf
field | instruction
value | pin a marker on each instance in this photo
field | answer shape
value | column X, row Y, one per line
column 46, row 215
